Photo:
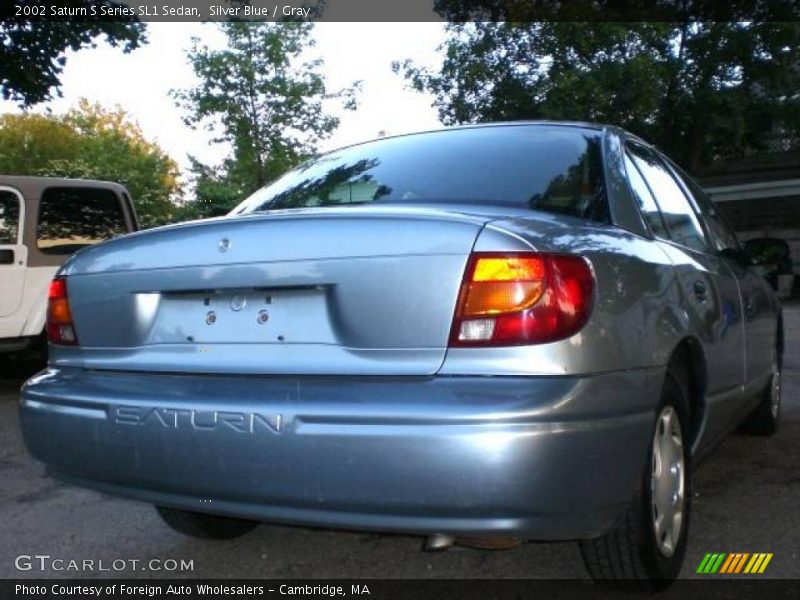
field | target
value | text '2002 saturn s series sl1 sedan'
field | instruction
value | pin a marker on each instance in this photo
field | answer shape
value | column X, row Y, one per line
column 520, row 331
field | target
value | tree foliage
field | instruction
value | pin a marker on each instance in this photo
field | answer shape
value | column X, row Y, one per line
column 698, row 90
column 90, row 142
column 215, row 194
column 264, row 96
column 32, row 51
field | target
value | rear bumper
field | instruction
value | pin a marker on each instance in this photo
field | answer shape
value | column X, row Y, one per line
column 532, row 457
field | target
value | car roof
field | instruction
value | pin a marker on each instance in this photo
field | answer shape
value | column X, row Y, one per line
column 493, row 124
column 546, row 122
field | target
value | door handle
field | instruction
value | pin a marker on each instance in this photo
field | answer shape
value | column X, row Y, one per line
column 700, row 291
column 6, row 256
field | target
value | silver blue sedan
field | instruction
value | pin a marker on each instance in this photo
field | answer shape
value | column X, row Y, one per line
column 485, row 335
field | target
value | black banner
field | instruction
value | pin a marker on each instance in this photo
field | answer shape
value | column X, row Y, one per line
column 379, row 589
column 401, row 10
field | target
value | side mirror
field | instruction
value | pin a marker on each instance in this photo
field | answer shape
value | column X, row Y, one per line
column 767, row 251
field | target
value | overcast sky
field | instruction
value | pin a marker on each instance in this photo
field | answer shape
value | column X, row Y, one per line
column 140, row 81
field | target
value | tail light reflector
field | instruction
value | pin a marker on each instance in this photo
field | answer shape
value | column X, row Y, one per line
column 60, row 328
column 510, row 299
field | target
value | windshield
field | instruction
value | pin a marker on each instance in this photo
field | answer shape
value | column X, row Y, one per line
column 551, row 168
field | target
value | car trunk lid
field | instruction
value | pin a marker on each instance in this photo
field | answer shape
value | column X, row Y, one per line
column 357, row 290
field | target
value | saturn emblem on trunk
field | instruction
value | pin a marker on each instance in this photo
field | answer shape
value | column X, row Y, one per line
column 238, row 303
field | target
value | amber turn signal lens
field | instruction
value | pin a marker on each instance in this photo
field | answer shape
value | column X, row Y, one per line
column 501, row 284
column 59, row 311
column 493, row 297
column 508, row 268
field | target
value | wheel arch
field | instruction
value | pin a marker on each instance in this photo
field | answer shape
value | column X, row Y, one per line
column 688, row 362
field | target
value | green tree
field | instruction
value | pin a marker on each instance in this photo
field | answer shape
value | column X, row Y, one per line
column 265, row 97
column 28, row 142
column 32, row 51
column 215, row 193
column 698, row 90
column 92, row 143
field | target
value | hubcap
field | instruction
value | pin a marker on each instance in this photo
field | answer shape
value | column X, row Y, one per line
column 667, row 481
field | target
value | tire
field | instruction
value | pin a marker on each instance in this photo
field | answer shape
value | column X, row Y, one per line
column 6, row 367
column 204, row 526
column 637, row 554
column 765, row 418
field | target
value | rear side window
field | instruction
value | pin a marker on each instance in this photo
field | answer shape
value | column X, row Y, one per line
column 681, row 220
column 720, row 231
column 71, row 218
column 645, row 200
column 9, row 217
column 548, row 168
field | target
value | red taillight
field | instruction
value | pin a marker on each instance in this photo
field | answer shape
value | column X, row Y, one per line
column 60, row 329
column 510, row 299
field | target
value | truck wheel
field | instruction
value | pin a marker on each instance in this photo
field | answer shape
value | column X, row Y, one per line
column 200, row 525
column 646, row 549
column 6, row 367
column 765, row 418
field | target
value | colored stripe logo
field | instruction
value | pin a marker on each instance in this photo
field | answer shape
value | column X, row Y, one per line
column 734, row 563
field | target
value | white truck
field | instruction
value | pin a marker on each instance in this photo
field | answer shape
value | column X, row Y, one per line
column 42, row 221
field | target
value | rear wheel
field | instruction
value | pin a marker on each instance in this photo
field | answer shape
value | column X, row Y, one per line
column 200, row 525
column 646, row 549
column 764, row 420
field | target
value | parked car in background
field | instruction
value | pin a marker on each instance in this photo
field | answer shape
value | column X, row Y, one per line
column 525, row 331
column 42, row 222
column 772, row 259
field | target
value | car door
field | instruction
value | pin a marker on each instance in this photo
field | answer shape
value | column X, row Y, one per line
column 13, row 257
column 710, row 290
column 759, row 316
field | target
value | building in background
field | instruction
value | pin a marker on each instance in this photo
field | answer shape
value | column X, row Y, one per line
column 760, row 192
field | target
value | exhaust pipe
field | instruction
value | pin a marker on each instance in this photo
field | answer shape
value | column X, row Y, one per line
column 441, row 541
column 438, row 542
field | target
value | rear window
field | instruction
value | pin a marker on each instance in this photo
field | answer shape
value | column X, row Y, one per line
column 71, row 218
column 550, row 168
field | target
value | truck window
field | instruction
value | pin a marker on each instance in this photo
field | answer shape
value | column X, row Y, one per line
column 71, row 218
column 9, row 217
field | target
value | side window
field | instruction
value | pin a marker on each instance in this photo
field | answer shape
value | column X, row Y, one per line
column 9, row 218
column 681, row 220
column 647, row 204
column 722, row 235
column 71, row 218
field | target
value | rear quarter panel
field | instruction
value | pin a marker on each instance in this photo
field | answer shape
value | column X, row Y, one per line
column 637, row 318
